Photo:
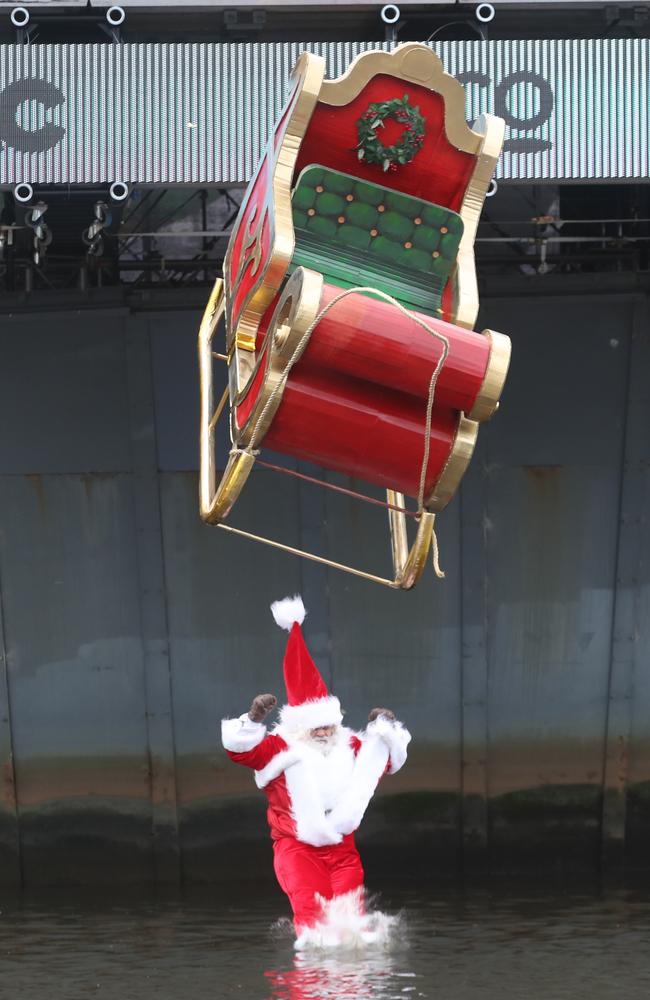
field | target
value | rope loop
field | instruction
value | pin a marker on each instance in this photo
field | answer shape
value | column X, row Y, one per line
column 435, row 554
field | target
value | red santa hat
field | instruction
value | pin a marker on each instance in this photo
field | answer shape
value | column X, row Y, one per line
column 309, row 704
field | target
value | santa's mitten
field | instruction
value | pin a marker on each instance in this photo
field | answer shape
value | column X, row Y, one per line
column 261, row 706
column 386, row 712
column 394, row 736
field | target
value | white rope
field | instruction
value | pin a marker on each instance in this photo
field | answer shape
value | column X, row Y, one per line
column 434, row 553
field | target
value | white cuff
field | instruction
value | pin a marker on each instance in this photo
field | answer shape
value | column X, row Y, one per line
column 242, row 734
column 395, row 736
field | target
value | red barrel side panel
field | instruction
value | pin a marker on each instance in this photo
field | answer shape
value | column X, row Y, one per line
column 360, row 430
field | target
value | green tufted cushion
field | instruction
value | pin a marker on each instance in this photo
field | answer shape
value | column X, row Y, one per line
column 354, row 232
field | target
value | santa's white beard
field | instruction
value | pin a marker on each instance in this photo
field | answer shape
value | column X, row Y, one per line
column 323, row 744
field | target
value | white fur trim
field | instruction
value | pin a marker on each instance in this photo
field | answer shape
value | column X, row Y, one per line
column 275, row 767
column 323, row 764
column 312, row 825
column 369, row 766
column 312, row 714
column 242, row 734
column 395, row 736
column 315, row 783
column 288, row 611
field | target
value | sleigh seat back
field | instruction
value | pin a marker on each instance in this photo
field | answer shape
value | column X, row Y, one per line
column 358, row 232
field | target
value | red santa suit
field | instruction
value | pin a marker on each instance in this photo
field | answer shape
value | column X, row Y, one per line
column 317, row 794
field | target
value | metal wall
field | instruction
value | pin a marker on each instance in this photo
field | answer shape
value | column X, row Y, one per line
column 128, row 628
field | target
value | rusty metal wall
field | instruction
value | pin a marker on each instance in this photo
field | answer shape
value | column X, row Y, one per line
column 127, row 628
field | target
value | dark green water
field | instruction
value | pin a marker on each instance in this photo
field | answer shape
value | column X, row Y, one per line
column 495, row 944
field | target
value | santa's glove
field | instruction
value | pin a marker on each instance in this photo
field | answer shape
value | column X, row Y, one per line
column 386, row 712
column 262, row 705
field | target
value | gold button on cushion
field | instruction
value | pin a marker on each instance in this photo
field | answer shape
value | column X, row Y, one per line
column 443, row 229
column 381, row 208
column 418, row 221
column 320, row 188
column 408, row 245
column 374, row 232
column 349, row 197
column 341, row 219
column 311, row 211
column 436, row 253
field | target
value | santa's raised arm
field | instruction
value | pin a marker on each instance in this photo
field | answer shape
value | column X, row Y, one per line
column 318, row 775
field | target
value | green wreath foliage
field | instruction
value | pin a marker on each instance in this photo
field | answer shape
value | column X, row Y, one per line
column 370, row 148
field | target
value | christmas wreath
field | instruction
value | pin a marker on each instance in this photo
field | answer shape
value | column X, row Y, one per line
column 370, row 149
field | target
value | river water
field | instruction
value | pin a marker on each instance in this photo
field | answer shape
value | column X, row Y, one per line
column 493, row 943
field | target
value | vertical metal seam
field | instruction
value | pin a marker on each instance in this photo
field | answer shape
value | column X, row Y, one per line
column 160, row 735
column 10, row 767
column 165, row 603
column 474, row 641
column 486, row 631
column 461, row 685
column 615, row 601
column 610, row 804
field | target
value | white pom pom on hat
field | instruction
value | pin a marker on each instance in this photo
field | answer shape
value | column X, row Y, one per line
column 288, row 611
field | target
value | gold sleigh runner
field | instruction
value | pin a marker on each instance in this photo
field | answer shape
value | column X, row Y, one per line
column 349, row 297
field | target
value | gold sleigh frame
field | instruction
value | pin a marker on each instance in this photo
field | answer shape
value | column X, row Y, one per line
column 298, row 308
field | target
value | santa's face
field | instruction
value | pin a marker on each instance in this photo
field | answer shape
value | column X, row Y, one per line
column 322, row 738
column 322, row 734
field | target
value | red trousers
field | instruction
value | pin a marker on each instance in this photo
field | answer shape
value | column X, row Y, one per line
column 304, row 871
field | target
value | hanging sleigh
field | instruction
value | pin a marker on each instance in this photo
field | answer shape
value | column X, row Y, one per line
column 350, row 296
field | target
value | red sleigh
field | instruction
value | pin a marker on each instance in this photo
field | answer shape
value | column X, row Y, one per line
column 350, row 295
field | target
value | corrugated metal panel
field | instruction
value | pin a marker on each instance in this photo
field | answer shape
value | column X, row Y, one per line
column 200, row 114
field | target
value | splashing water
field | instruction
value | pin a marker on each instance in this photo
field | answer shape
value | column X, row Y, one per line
column 349, row 923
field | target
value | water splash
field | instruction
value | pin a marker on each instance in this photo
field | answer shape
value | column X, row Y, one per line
column 350, row 923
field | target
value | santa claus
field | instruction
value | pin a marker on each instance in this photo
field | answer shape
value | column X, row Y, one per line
column 318, row 776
